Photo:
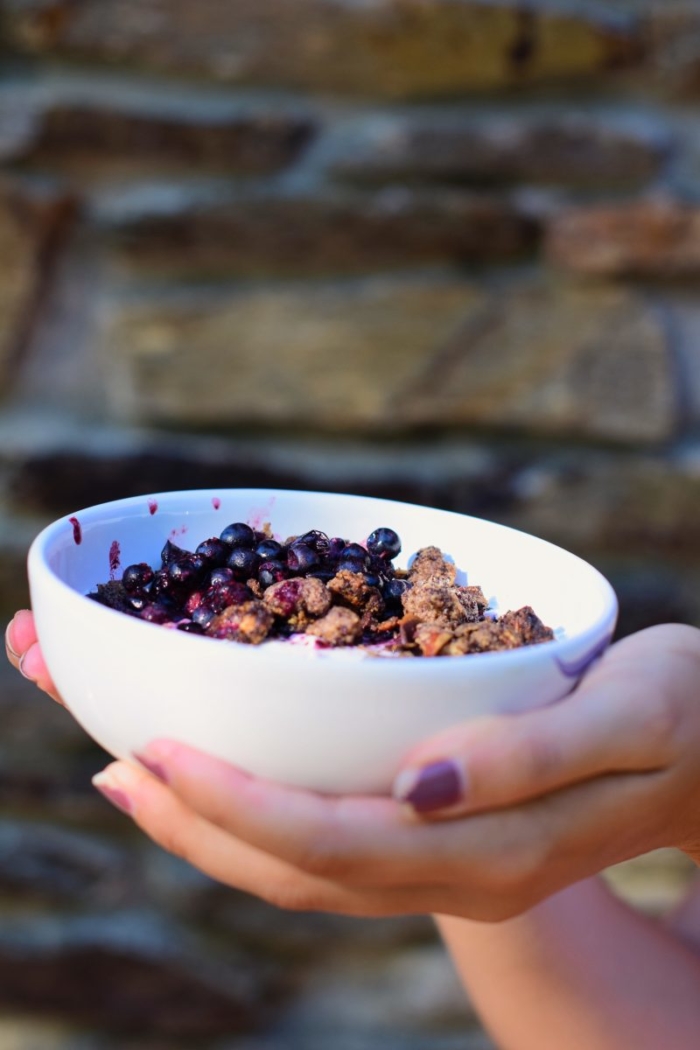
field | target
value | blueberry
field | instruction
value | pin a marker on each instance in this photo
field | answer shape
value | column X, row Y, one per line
column 268, row 549
column 271, row 571
column 373, row 579
column 220, row 577
column 138, row 602
column 335, row 546
column 393, row 589
column 243, row 563
column 232, row 594
column 171, row 552
column 185, row 574
column 318, row 541
column 136, row 578
column 351, row 565
column 162, row 584
column 385, row 543
column 214, row 551
column 203, row 615
column 156, row 613
column 238, row 535
column 190, row 627
column 354, row 558
column 301, row 558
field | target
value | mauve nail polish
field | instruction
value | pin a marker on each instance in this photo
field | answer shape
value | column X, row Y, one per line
column 152, row 766
column 439, row 786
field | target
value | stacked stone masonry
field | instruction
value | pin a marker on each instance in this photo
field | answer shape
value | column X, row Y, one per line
column 436, row 251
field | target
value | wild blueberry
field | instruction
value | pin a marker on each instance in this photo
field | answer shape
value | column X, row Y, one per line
column 214, row 551
column 220, row 577
column 243, row 563
column 219, row 598
column 335, row 546
column 268, row 549
column 354, row 558
column 271, row 571
column 136, row 578
column 171, row 552
column 184, row 574
column 384, row 542
column 203, row 615
column 190, row 627
column 301, row 558
column 350, row 564
column 156, row 614
column 138, row 602
column 238, row 535
column 318, row 541
column 393, row 589
column 162, row 584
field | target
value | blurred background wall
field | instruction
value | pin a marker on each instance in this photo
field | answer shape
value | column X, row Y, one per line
column 439, row 250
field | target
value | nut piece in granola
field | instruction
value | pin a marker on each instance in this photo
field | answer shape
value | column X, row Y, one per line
column 527, row 626
column 249, row 622
column 340, row 626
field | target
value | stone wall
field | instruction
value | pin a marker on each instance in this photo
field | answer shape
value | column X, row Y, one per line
column 438, row 250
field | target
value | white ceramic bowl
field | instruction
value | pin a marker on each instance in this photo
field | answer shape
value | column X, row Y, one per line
column 333, row 720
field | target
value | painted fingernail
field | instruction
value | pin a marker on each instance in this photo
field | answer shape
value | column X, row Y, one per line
column 152, row 766
column 434, row 787
column 22, row 669
column 117, row 797
column 8, row 644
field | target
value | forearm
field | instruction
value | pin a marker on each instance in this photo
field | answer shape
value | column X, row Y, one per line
column 581, row 970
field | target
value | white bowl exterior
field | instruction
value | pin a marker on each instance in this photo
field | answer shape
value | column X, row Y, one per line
column 330, row 720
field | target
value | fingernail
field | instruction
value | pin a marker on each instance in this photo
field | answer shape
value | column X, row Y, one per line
column 8, row 644
column 152, row 766
column 115, row 795
column 22, row 670
column 434, row 787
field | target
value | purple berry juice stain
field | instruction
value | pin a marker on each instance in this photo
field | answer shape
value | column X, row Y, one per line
column 77, row 531
column 177, row 532
column 152, row 506
column 262, row 515
column 216, row 503
column 115, row 558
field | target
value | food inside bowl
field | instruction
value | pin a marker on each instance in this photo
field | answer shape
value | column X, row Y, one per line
column 246, row 586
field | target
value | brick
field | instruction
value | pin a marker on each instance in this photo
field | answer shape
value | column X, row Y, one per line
column 334, row 356
column 390, row 47
column 32, row 223
column 388, row 355
column 626, row 505
column 92, row 127
column 572, row 150
column 550, row 359
column 646, row 238
column 336, row 232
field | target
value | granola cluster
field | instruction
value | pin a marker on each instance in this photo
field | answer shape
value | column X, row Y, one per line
column 245, row 586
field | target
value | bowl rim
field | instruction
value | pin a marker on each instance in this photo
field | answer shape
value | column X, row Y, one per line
column 598, row 631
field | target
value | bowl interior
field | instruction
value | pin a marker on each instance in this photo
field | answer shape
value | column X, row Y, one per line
column 514, row 569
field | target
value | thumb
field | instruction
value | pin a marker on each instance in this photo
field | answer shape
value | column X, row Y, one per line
column 614, row 722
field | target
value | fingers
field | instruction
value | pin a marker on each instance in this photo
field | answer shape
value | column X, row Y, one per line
column 24, row 653
column 162, row 815
column 623, row 718
column 362, row 838
column 19, row 636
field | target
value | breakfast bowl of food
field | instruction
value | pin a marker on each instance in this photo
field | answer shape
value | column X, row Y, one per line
column 310, row 638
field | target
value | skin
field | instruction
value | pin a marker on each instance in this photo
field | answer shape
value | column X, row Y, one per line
column 551, row 798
